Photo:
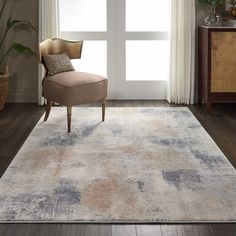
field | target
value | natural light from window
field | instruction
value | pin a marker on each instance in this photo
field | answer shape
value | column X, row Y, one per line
column 147, row 60
column 83, row 15
column 93, row 62
column 147, row 15
column 137, row 45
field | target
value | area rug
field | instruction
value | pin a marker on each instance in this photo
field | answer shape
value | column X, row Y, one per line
column 142, row 165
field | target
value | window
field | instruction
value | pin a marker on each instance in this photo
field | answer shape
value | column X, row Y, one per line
column 83, row 15
column 147, row 15
column 150, row 57
column 90, row 61
column 126, row 40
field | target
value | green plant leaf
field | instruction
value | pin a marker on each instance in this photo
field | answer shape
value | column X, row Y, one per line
column 9, row 23
column 12, row 23
column 20, row 48
column 2, row 9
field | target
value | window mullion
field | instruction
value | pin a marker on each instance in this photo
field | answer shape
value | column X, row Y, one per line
column 74, row 35
column 121, row 44
column 147, row 36
column 111, row 47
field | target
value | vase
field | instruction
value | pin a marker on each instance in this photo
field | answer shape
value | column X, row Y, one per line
column 213, row 18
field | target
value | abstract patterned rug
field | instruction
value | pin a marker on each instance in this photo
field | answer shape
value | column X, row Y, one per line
column 141, row 165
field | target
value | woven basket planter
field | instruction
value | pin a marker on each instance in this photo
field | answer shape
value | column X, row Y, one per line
column 4, row 85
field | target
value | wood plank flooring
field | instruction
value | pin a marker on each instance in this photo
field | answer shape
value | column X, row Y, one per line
column 16, row 123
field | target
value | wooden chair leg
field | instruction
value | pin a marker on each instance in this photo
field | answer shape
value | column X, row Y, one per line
column 103, row 109
column 48, row 109
column 69, row 113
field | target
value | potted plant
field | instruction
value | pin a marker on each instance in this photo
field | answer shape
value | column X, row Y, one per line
column 213, row 18
column 5, row 52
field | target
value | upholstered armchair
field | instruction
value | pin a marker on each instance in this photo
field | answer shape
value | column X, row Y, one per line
column 70, row 88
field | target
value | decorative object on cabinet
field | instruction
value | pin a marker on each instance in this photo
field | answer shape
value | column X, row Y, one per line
column 213, row 18
column 217, row 60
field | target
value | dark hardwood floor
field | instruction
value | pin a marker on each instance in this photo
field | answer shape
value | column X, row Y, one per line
column 16, row 123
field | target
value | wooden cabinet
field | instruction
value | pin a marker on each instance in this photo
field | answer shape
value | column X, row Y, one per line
column 216, row 64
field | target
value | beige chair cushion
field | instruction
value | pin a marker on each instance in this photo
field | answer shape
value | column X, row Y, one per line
column 74, row 88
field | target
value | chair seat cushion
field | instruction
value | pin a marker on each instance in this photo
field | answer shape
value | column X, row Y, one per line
column 74, row 88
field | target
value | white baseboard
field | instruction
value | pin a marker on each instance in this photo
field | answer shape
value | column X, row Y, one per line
column 23, row 98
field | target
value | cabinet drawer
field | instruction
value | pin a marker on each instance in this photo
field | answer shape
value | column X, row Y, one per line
column 223, row 62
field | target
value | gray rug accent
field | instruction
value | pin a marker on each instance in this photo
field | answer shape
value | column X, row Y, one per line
column 142, row 165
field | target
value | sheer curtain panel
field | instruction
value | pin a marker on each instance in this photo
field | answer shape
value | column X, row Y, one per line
column 182, row 52
column 48, row 28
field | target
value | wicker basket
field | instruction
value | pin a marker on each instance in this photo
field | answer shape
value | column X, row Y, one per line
column 4, row 84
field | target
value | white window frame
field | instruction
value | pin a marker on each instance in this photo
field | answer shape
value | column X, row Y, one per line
column 116, row 36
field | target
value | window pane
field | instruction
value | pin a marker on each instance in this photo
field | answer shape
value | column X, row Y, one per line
column 83, row 15
column 147, row 60
column 147, row 15
column 93, row 59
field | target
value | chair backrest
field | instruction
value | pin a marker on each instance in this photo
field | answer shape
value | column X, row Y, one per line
column 56, row 46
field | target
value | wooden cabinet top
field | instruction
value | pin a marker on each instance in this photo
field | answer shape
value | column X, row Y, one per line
column 220, row 27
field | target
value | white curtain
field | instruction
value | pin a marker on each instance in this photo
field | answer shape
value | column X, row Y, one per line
column 49, row 27
column 182, row 52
